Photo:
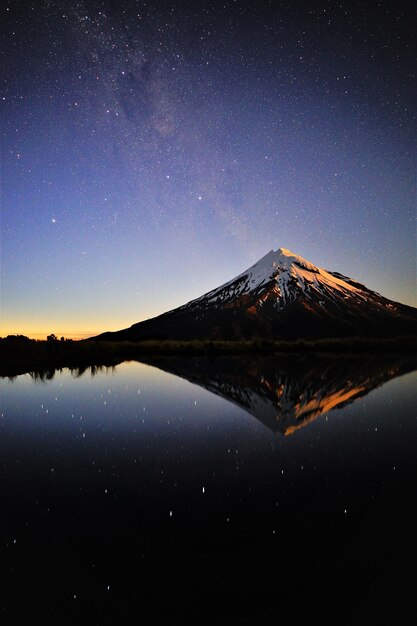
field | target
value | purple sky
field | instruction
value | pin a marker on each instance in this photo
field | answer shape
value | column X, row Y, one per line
column 152, row 151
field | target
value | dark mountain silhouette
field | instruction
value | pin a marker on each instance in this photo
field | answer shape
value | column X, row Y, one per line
column 287, row 392
column 282, row 296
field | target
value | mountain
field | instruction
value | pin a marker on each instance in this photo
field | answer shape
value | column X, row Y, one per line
column 287, row 392
column 282, row 296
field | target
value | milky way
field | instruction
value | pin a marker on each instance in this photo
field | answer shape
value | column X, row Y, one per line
column 151, row 151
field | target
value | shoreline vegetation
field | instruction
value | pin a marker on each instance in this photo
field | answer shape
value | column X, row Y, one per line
column 20, row 355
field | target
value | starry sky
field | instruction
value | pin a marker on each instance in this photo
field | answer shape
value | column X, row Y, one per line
column 153, row 150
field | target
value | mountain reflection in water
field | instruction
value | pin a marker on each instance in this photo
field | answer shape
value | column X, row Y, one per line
column 138, row 498
column 286, row 392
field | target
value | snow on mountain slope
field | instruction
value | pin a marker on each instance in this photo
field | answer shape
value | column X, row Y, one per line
column 282, row 275
column 282, row 296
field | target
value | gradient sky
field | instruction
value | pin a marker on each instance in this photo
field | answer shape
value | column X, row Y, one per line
column 153, row 150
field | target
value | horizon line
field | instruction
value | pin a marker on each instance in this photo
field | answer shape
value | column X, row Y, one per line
column 59, row 334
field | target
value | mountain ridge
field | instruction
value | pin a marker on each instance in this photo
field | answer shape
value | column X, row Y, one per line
column 281, row 296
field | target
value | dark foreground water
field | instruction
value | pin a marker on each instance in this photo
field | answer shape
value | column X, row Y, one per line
column 265, row 491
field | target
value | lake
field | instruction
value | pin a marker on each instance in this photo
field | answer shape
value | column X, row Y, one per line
column 228, row 490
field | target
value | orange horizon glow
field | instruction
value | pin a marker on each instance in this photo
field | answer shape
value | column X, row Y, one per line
column 40, row 336
column 39, row 331
column 78, row 326
column 69, row 329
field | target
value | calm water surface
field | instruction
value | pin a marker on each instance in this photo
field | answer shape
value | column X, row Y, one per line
column 281, row 489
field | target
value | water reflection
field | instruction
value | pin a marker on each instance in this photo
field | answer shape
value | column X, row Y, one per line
column 46, row 374
column 76, row 372
column 140, row 495
column 288, row 392
column 284, row 392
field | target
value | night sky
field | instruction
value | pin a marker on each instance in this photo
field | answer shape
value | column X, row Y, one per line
column 152, row 151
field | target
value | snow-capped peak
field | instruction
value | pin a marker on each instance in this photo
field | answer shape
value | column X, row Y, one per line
column 288, row 272
column 274, row 262
column 281, row 296
column 286, row 257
